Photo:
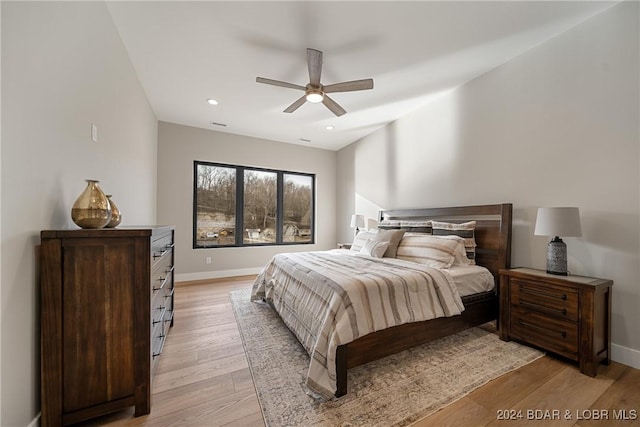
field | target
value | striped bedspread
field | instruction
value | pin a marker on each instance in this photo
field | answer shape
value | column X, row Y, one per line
column 333, row 297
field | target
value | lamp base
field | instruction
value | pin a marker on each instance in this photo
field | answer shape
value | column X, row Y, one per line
column 557, row 257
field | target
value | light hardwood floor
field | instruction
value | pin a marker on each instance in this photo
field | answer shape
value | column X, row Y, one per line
column 203, row 380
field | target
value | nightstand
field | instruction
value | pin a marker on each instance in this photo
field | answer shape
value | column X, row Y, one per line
column 344, row 245
column 566, row 315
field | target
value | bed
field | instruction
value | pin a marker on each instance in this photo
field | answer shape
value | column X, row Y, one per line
column 418, row 302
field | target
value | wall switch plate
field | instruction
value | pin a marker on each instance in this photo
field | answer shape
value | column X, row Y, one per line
column 94, row 133
column 208, row 260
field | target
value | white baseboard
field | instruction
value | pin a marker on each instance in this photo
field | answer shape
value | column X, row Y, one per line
column 626, row 356
column 206, row 275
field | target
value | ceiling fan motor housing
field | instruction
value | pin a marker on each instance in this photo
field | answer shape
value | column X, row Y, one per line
column 314, row 94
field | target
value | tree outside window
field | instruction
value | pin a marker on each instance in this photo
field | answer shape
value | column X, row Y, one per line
column 243, row 206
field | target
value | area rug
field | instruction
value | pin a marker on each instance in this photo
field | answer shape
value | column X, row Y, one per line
column 394, row 391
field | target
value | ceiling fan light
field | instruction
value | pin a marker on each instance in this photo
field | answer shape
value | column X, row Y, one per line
column 314, row 97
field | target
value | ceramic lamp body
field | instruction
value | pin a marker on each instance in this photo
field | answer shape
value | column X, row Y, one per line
column 91, row 209
column 116, row 216
column 557, row 257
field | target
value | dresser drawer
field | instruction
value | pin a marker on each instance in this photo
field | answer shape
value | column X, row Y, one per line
column 168, row 302
column 161, row 248
column 159, row 332
column 551, row 300
column 162, row 274
column 549, row 332
column 161, row 298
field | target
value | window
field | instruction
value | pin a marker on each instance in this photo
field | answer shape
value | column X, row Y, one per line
column 297, row 211
column 260, row 211
column 243, row 206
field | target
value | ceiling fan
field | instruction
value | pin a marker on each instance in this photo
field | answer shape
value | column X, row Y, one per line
column 315, row 91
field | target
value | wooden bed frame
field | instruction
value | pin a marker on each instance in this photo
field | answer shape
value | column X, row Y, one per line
column 493, row 237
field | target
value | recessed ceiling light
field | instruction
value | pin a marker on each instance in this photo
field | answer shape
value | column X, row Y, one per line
column 330, row 127
column 212, row 101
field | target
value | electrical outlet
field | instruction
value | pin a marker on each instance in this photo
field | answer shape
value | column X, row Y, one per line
column 208, row 260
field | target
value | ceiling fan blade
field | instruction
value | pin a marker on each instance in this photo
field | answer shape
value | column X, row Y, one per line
column 297, row 104
column 314, row 62
column 279, row 83
column 349, row 86
column 333, row 106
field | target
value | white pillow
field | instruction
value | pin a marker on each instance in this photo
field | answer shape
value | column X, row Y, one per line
column 461, row 252
column 391, row 236
column 361, row 238
column 374, row 248
column 465, row 230
column 430, row 250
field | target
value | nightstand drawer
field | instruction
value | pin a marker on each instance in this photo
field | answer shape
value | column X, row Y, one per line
column 545, row 331
column 553, row 301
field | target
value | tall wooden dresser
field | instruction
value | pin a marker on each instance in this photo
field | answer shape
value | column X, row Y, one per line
column 106, row 309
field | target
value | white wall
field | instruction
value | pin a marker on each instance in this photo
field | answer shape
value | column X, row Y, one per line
column 179, row 146
column 556, row 126
column 63, row 68
column 0, row 216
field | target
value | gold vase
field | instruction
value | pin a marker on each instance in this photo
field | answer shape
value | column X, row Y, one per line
column 116, row 216
column 91, row 209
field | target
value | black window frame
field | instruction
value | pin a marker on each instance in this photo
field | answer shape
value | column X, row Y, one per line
column 239, row 208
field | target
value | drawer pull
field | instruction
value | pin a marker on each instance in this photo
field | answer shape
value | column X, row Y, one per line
column 164, row 251
column 563, row 334
column 164, row 282
column 162, row 337
column 161, row 318
column 539, row 307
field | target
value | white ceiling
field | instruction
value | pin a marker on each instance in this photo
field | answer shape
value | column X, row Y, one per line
column 186, row 52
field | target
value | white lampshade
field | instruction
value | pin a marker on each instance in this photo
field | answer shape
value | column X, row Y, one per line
column 357, row 221
column 561, row 222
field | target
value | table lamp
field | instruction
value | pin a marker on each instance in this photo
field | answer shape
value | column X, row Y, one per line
column 357, row 221
column 558, row 222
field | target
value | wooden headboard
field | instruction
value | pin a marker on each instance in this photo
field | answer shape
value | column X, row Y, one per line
column 493, row 229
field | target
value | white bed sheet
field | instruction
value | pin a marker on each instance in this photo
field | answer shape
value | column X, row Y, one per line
column 471, row 279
